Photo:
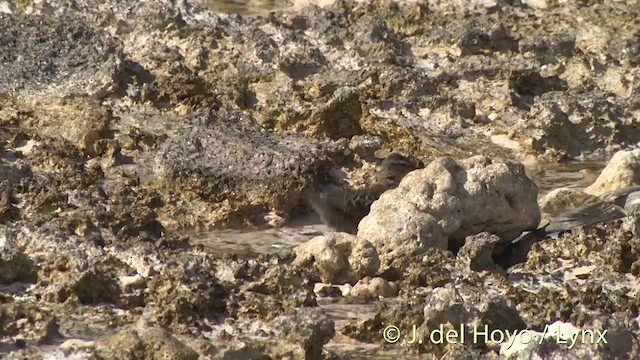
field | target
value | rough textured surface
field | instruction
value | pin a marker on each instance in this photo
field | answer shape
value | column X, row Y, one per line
column 440, row 205
column 15, row 264
column 228, row 157
column 130, row 128
column 154, row 343
column 376, row 286
column 338, row 257
column 623, row 170
column 477, row 250
column 57, row 56
column 309, row 328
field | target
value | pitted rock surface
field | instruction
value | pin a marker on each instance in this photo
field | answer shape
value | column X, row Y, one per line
column 57, row 56
column 442, row 204
column 623, row 170
column 227, row 156
column 338, row 257
column 126, row 126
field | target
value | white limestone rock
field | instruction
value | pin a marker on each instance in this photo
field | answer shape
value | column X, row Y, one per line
column 338, row 258
column 375, row 286
column 623, row 170
column 445, row 202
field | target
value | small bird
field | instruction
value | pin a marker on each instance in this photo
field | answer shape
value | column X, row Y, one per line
column 394, row 167
column 610, row 206
column 343, row 209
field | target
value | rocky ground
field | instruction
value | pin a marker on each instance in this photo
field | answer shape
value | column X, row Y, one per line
column 127, row 126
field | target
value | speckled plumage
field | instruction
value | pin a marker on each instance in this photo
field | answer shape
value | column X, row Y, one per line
column 610, row 206
column 343, row 209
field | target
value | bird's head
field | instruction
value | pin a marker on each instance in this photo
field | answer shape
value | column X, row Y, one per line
column 394, row 167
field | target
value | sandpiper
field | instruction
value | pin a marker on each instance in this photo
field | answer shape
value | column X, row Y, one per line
column 610, row 206
column 343, row 209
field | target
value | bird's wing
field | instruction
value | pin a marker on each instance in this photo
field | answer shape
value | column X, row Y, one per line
column 587, row 214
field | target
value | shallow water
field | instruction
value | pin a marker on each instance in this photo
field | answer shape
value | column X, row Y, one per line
column 261, row 7
column 247, row 7
column 255, row 242
column 251, row 243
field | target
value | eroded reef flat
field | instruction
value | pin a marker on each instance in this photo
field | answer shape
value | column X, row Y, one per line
column 127, row 125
